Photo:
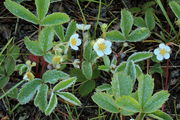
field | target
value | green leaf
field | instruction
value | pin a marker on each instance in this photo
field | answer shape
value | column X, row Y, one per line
column 131, row 70
column 71, row 29
column 14, row 51
column 3, row 81
column 10, row 65
column 52, row 104
column 41, row 97
column 103, row 87
column 69, row 98
column 145, row 88
column 105, row 101
column 28, row 91
column 140, row 56
column 14, row 93
column 159, row 115
column 149, row 19
column 138, row 71
column 20, row 11
column 52, row 76
column 126, row 22
column 156, row 69
column 48, row 57
column 64, row 84
column 46, row 38
column 129, row 104
column 139, row 34
column 175, row 8
column 156, row 101
column 87, row 87
column 33, row 46
column 60, row 32
column 121, row 67
column 55, row 19
column 87, row 69
column 115, row 36
column 106, row 60
column 87, row 53
column 78, row 73
column 122, row 84
column 21, row 68
column 42, row 7
column 139, row 22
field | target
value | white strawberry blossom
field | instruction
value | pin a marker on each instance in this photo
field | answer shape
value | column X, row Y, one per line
column 83, row 26
column 102, row 47
column 162, row 52
column 74, row 41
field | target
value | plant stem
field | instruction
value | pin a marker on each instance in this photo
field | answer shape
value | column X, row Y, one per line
column 11, row 89
column 98, row 17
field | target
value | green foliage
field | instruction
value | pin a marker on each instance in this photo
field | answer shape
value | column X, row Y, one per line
column 20, row 11
column 42, row 7
column 105, row 101
column 28, row 91
column 139, row 22
column 87, row 54
column 156, row 101
column 126, row 22
column 52, row 104
column 69, row 98
column 115, row 36
column 122, row 84
column 149, row 19
column 71, row 29
column 87, row 69
column 145, row 88
column 129, row 104
column 64, row 84
column 41, row 97
column 159, row 115
column 52, row 76
column 59, row 32
column 46, row 38
column 34, row 47
column 138, row 34
column 86, row 87
column 140, row 56
column 175, row 8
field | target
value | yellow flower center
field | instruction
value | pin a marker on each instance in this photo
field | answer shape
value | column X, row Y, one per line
column 162, row 51
column 73, row 41
column 56, row 59
column 30, row 76
column 101, row 46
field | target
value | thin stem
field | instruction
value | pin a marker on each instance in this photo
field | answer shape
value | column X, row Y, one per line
column 166, row 16
column 84, row 19
column 11, row 89
column 98, row 17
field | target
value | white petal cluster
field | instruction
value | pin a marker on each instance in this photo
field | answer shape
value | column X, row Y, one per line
column 102, row 47
column 162, row 52
column 74, row 41
column 28, row 76
column 83, row 26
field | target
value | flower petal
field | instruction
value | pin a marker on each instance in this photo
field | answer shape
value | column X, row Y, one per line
column 166, row 56
column 156, row 51
column 162, row 45
column 167, row 48
column 95, row 46
column 108, row 51
column 75, row 48
column 78, row 42
column 108, row 44
column 159, row 57
column 99, row 53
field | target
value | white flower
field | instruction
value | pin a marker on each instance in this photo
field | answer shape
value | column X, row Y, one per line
column 163, row 52
column 74, row 41
column 131, row 119
column 102, row 47
column 83, row 26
